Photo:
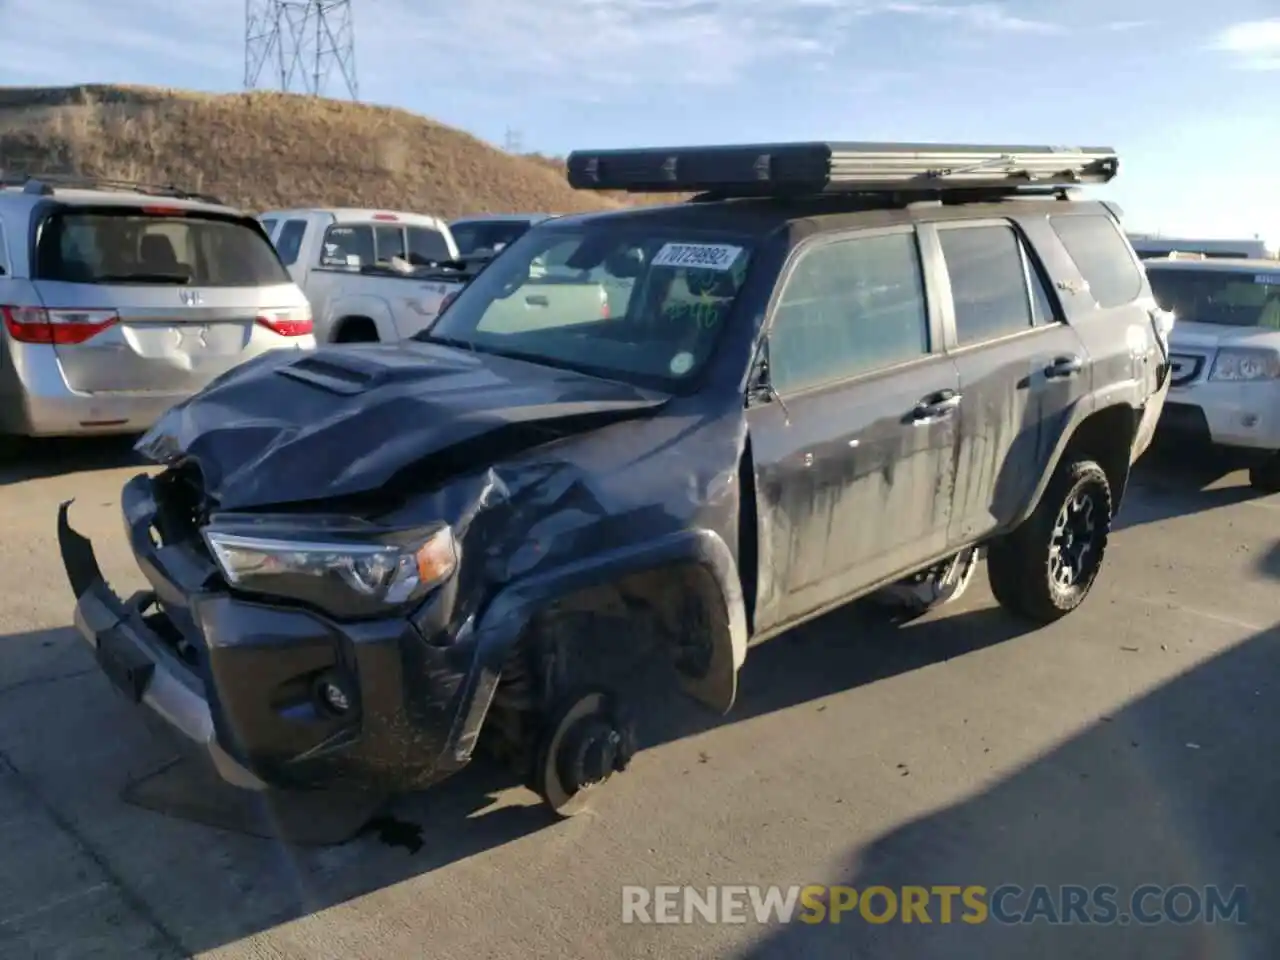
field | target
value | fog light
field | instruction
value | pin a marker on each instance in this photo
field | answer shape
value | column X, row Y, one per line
column 333, row 696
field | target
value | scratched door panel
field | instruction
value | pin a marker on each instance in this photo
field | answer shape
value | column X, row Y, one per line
column 853, row 488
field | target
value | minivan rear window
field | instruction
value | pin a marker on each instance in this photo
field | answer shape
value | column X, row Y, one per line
column 130, row 246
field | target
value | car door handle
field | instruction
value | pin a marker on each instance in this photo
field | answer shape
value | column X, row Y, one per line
column 1063, row 367
column 537, row 300
column 935, row 407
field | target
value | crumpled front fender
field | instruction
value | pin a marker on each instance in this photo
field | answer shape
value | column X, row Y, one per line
column 697, row 567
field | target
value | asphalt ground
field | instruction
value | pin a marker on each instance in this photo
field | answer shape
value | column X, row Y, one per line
column 1132, row 743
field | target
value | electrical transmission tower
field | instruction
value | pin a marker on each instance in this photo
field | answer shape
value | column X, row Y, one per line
column 300, row 42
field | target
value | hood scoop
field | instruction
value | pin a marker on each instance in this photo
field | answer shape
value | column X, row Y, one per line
column 349, row 371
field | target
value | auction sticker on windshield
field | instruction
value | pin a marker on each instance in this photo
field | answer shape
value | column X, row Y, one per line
column 701, row 256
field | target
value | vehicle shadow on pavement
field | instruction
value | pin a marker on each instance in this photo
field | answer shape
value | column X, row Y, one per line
column 848, row 648
column 1164, row 485
column 23, row 460
column 1171, row 789
column 1269, row 563
column 86, row 780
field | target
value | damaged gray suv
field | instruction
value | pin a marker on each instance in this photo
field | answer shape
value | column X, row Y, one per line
column 839, row 370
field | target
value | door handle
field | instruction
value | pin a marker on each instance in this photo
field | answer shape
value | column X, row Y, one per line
column 1063, row 367
column 537, row 300
column 935, row 407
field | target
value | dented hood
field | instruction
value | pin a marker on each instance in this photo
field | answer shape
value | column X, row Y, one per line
column 341, row 421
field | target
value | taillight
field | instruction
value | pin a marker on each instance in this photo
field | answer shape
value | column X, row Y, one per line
column 60, row 327
column 604, row 305
column 448, row 299
column 288, row 323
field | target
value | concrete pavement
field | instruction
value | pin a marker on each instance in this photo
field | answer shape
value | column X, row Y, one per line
column 1133, row 742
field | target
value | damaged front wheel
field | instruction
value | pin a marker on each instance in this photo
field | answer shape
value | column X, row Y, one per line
column 584, row 743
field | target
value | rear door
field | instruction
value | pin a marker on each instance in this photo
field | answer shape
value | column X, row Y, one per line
column 1022, row 368
column 159, row 300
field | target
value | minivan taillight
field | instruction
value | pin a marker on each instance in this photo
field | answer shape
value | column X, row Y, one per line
column 288, row 323
column 60, row 327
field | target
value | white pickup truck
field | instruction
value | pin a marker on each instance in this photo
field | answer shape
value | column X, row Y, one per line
column 369, row 275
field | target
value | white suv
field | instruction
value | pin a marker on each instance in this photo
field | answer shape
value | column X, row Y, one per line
column 1225, row 356
column 119, row 300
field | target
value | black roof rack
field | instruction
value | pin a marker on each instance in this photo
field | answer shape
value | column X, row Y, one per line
column 800, row 169
column 44, row 184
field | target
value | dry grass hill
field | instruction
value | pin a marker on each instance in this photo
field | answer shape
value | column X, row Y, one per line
column 262, row 150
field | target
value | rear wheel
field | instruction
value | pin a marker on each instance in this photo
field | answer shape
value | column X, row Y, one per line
column 1046, row 567
column 1265, row 477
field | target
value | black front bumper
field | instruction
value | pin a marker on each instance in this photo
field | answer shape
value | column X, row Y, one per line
column 239, row 677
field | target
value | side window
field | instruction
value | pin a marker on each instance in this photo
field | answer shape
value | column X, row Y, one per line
column 388, row 242
column 289, row 244
column 268, row 227
column 988, row 282
column 849, row 307
column 427, row 246
column 347, row 246
column 1102, row 254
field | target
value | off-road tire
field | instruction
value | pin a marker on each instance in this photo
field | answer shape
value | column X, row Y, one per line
column 1020, row 564
column 1265, row 477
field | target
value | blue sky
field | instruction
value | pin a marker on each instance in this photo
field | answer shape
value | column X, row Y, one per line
column 1185, row 90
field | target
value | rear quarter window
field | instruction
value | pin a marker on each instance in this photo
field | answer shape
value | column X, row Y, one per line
column 1102, row 255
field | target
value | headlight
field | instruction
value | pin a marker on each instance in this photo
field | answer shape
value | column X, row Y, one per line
column 349, row 578
column 1244, row 364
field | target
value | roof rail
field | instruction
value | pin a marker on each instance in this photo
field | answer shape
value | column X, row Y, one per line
column 800, row 169
column 45, row 184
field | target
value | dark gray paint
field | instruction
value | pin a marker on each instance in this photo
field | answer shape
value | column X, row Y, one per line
column 417, row 433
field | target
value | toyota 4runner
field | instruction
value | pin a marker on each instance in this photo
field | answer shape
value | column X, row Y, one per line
column 839, row 370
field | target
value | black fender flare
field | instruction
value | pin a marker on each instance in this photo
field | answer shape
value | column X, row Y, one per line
column 1079, row 414
column 506, row 617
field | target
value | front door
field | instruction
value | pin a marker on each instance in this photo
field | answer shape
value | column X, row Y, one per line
column 1022, row 369
column 854, row 452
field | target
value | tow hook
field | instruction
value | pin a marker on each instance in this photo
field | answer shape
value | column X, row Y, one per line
column 585, row 743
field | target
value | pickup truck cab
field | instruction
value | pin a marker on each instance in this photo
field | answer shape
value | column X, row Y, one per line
column 369, row 275
column 843, row 367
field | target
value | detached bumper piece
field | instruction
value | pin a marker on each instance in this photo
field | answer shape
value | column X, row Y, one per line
column 277, row 696
column 134, row 657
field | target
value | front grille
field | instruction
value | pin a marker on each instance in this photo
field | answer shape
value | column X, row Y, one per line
column 1185, row 368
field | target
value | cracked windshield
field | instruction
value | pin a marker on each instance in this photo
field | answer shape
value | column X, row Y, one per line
column 688, row 479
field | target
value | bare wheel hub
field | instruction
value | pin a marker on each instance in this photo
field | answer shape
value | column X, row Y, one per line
column 585, row 743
